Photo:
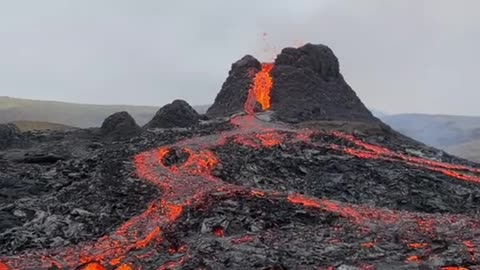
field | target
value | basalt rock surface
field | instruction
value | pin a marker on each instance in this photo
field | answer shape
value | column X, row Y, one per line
column 9, row 134
column 120, row 125
column 176, row 114
column 231, row 98
column 68, row 187
column 308, row 86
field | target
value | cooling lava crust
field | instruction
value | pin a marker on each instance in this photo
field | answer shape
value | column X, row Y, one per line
column 250, row 192
column 212, row 215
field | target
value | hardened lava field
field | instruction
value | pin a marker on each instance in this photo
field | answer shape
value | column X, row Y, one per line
column 239, row 189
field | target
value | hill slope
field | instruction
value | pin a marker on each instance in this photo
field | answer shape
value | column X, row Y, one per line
column 436, row 130
column 38, row 125
column 469, row 150
column 71, row 114
column 459, row 135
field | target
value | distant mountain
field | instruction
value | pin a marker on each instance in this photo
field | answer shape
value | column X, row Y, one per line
column 469, row 150
column 436, row 130
column 377, row 113
column 459, row 135
column 38, row 125
column 71, row 114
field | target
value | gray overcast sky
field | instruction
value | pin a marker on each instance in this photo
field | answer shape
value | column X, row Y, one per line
column 399, row 56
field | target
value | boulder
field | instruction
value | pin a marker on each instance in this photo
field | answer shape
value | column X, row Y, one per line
column 120, row 125
column 233, row 95
column 9, row 134
column 176, row 114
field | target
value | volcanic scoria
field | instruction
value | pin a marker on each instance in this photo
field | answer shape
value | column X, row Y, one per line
column 288, row 170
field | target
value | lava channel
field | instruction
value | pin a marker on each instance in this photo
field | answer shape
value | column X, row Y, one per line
column 261, row 90
column 185, row 185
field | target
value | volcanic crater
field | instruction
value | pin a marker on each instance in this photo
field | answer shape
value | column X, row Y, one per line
column 287, row 170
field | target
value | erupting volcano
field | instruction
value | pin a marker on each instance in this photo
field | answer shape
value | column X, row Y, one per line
column 203, row 196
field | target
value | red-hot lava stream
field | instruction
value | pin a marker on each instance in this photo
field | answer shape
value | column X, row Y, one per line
column 260, row 91
column 185, row 185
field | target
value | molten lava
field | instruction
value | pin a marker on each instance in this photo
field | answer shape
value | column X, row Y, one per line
column 261, row 89
column 218, row 231
column 94, row 266
column 413, row 259
column 187, row 184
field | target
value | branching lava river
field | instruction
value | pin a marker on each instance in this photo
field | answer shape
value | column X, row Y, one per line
column 189, row 183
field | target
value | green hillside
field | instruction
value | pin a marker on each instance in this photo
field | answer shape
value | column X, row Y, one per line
column 70, row 114
column 37, row 125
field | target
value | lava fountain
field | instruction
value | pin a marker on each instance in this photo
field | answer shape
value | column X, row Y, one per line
column 261, row 89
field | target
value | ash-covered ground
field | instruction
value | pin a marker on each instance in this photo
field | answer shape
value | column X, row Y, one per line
column 333, row 189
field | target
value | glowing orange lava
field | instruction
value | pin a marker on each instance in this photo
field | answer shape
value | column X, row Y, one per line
column 417, row 245
column 124, row 267
column 190, row 183
column 218, row 231
column 413, row 259
column 94, row 266
column 261, row 89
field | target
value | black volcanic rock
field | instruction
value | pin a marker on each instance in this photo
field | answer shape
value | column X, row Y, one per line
column 120, row 125
column 9, row 133
column 308, row 86
column 234, row 93
column 176, row 114
column 344, row 195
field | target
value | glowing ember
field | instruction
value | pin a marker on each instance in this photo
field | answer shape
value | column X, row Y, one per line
column 260, row 91
column 180, row 249
column 368, row 245
column 413, row 259
column 218, row 231
column 243, row 239
column 257, row 193
column 94, row 266
column 172, row 265
column 417, row 245
column 124, row 267
column 307, row 202
column 470, row 248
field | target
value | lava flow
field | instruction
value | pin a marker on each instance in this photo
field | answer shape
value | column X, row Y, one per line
column 186, row 184
column 260, row 91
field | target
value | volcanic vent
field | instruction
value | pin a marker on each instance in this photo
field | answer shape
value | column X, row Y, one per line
column 201, row 197
column 302, row 84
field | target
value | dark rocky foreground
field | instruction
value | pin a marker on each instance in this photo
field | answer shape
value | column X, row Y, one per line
column 73, row 187
column 62, row 188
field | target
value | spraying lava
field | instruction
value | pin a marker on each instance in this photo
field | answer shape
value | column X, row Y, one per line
column 260, row 91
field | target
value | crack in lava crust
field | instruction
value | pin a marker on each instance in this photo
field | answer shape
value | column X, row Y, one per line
column 188, row 184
